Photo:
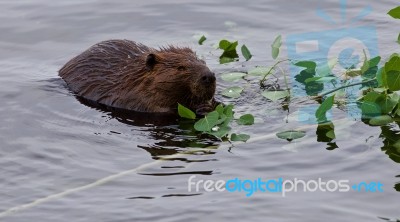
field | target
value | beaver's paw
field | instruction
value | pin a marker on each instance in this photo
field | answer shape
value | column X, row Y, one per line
column 203, row 109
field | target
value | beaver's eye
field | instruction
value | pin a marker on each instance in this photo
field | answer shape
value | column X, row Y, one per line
column 181, row 68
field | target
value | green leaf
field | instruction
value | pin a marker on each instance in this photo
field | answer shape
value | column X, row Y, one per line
column 309, row 65
column 326, row 69
column 320, row 114
column 395, row 96
column 240, row 137
column 227, row 45
column 291, row 135
column 370, row 109
column 326, row 79
column 229, row 54
column 228, row 110
column 224, row 44
column 275, row 46
column 381, row 120
column 185, row 112
column 312, row 79
column 259, row 71
column 246, row 119
column 393, row 63
column 223, row 60
column 232, row 92
column 232, row 76
column 394, row 55
column 365, row 65
column 393, row 80
column 303, row 75
column 220, row 132
column 372, row 96
column 220, row 109
column 326, row 132
column 246, row 53
column 226, row 121
column 331, row 134
column 275, row 95
column 207, row 123
column 381, row 77
column 222, row 119
column 202, row 39
column 395, row 13
column 232, row 46
column 374, row 61
column 397, row 145
column 387, row 104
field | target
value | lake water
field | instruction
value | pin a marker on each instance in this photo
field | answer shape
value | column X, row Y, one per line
column 61, row 160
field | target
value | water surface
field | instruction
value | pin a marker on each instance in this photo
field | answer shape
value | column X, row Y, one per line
column 52, row 143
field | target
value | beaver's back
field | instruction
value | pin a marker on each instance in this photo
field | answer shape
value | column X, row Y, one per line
column 124, row 74
column 96, row 72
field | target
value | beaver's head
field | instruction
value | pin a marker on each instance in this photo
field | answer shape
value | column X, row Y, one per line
column 179, row 73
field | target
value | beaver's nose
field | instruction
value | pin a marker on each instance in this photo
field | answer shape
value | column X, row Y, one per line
column 208, row 78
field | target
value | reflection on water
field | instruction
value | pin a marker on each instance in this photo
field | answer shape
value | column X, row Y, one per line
column 172, row 134
column 391, row 141
column 326, row 133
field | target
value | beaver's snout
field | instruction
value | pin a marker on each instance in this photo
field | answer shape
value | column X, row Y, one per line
column 208, row 78
column 204, row 87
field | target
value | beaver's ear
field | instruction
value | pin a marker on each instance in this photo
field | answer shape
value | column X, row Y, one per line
column 151, row 61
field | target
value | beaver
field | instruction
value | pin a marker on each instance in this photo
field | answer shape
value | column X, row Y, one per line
column 128, row 75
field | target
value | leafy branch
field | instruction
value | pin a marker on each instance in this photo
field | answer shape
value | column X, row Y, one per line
column 217, row 123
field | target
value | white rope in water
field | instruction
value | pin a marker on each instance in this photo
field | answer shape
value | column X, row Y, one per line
column 118, row 175
column 94, row 184
column 74, row 190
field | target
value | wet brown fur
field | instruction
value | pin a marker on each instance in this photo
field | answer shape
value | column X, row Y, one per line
column 118, row 73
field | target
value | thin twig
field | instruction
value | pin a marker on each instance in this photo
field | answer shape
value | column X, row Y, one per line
column 270, row 70
column 342, row 87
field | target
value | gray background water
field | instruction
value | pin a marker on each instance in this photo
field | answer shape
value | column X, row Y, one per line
column 50, row 142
